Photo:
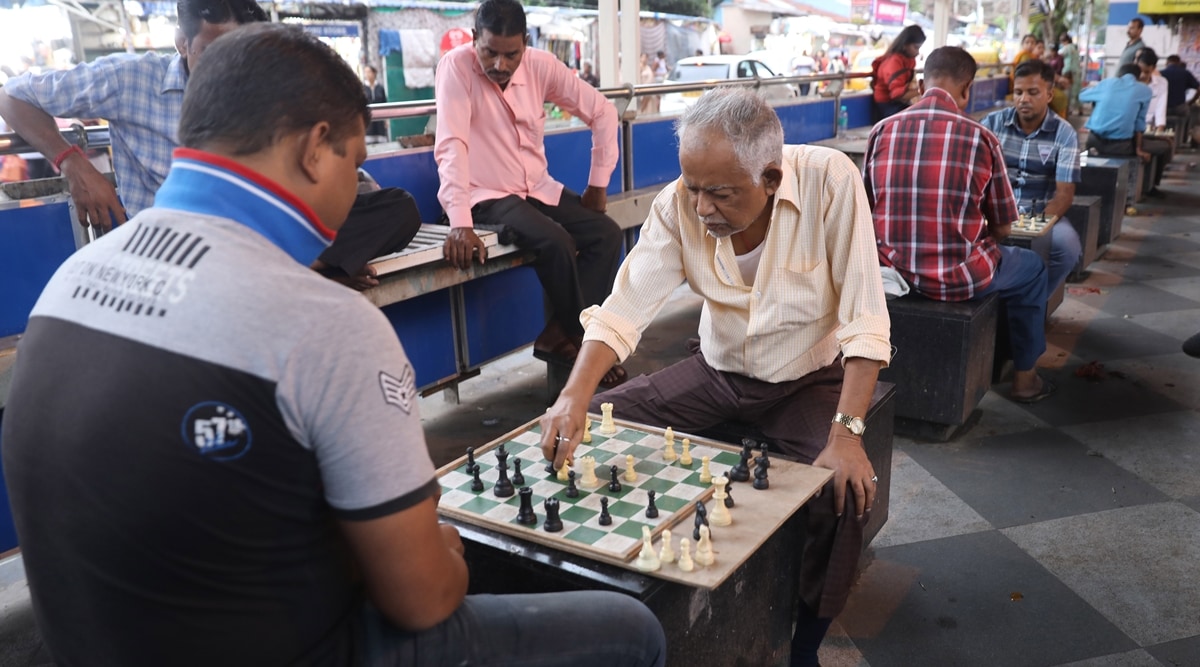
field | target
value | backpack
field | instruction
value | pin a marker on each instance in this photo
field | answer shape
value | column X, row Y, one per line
column 876, row 83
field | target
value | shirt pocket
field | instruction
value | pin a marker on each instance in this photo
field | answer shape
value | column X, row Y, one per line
column 798, row 298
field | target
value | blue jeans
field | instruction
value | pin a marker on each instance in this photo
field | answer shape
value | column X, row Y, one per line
column 1065, row 249
column 577, row 629
column 1021, row 284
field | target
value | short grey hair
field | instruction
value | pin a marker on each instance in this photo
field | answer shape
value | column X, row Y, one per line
column 745, row 119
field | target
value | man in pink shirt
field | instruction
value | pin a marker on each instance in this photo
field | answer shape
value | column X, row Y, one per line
column 493, row 171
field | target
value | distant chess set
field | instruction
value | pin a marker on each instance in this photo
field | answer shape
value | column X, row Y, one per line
column 1033, row 224
column 1166, row 133
column 627, row 487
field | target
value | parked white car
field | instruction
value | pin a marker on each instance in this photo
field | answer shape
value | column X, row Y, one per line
column 717, row 69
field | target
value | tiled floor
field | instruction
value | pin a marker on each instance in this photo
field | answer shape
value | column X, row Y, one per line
column 1064, row 533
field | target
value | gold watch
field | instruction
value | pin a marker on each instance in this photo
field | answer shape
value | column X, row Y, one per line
column 852, row 424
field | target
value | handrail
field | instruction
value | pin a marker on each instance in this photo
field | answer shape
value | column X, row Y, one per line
column 98, row 137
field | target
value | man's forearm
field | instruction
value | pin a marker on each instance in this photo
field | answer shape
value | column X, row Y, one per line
column 1064, row 196
column 858, row 386
column 33, row 125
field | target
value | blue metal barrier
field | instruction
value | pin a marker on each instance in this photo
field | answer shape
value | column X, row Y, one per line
column 503, row 312
column 34, row 240
column 425, row 326
column 8, row 531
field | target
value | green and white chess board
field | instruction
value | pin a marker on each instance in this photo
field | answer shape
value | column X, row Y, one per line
column 677, row 487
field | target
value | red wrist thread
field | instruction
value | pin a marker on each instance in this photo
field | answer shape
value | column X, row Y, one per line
column 61, row 157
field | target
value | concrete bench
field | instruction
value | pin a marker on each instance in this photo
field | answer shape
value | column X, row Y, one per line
column 1084, row 215
column 877, row 441
column 943, row 363
column 1107, row 178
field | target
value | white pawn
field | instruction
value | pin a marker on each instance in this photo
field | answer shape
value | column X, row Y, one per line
column 587, row 430
column 630, row 473
column 685, row 555
column 720, row 515
column 704, row 550
column 607, row 427
column 647, row 561
column 669, row 445
column 705, row 474
column 667, row 554
column 685, row 458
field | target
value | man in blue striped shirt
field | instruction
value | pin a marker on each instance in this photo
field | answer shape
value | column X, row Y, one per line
column 139, row 95
column 1041, row 153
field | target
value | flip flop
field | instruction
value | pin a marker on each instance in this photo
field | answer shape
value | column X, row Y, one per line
column 1048, row 389
column 563, row 353
column 618, row 374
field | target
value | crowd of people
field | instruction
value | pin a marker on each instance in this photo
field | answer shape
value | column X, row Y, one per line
column 231, row 464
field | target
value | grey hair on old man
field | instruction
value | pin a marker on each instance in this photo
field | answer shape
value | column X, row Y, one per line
column 744, row 118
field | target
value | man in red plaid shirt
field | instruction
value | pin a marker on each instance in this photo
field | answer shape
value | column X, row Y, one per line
column 942, row 202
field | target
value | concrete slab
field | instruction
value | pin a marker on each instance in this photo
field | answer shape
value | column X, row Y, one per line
column 1136, row 565
column 1161, row 449
column 922, row 508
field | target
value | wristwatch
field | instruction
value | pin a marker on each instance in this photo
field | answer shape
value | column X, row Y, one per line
column 853, row 424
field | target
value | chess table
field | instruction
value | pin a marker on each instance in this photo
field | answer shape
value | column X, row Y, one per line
column 736, row 612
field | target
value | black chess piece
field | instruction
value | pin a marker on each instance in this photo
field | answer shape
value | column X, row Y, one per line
column 615, row 484
column 729, row 493
column 572, row 490
column 525, row 515
column 605, row 517
column 760, row 475
column 470, row 459
column 701, row 519
column 741, row 471
column 762, row 454
column 504, row 486
column 651, row 509
column 518, row 477
column 501, row 454
column 476, row 484
column 553, row 524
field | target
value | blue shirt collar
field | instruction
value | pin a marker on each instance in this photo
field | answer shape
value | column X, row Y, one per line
column 208, row 184
column 176, row 76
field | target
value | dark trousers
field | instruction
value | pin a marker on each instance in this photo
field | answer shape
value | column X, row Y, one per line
column 881, row 110
column 795, row 416
column 1124, row 148
column 578, row 250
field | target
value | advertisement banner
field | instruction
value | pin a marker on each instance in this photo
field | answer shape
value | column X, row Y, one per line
column 892, row 13
column 1168, row 6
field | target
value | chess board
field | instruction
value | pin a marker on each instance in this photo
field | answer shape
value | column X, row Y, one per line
column 677, row 487
column 1033, row 225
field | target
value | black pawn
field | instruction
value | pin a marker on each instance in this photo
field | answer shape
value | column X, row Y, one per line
column 572, row 490
column 476, row 484
column 729, row 493
column 553, row 523
column 525, row 515
column 614, row 485
column 518, row 478
column 470, row 459
column 762, row 455
column 651, row 509
column 701, row 520
column 760, row 475
column 605, row 517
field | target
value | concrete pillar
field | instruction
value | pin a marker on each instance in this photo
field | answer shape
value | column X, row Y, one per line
column 606, row 51
column 942, row 9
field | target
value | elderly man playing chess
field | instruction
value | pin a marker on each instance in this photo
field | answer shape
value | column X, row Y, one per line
column 794, row 329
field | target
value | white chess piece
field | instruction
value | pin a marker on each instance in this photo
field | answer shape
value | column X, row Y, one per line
column 704, row 550
column 587, row 430
column 647, row 560
column 667, row 554
column 564, row 470
column 630, row 473
column 685, row 457
column 669, row 445
column 589, row 481
column 705, row 474
column 607, row 427
column 685, row 555
column 720, row 515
